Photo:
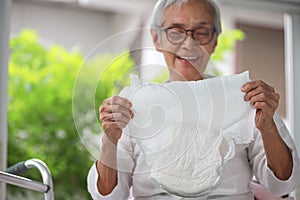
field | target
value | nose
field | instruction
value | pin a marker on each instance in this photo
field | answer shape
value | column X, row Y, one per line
column 191, row 45
column 189, row 42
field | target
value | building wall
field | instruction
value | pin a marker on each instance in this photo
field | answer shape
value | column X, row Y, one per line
column 262, row 53
column 71, row 26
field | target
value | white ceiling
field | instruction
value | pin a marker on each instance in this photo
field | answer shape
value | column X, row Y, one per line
column 281, row 6
column 140, row 6
column 121, row 6
column 118, row 6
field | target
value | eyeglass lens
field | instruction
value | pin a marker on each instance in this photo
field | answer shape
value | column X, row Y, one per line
column 178, row 35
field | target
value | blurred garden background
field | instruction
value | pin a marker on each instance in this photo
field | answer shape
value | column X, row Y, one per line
column 53, row 68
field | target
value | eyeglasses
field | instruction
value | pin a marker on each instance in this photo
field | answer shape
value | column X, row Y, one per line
column 177, row 35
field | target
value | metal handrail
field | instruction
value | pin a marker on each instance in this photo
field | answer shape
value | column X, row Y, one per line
column 46, row 175
column 46, row 187
column 23, row 182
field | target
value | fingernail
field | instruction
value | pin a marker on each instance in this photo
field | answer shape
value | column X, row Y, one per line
column 243, row 88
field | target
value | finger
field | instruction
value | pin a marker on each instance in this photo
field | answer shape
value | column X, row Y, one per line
column 254, row 84
column 261, row 89
column 121, row 124
column 251, row 93
column 114, row 117
column 255, row 95
column 112, row 127
column 115, row 109
column 263, row 97
column 101, row 108
column 131, row 114
column 262, row 105
column 117, row 100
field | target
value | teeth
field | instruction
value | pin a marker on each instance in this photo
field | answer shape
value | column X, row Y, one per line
column 189, row 57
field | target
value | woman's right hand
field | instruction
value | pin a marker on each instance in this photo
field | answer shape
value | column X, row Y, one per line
column 115, row 114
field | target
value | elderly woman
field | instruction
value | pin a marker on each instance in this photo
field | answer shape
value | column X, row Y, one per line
column 186, row 33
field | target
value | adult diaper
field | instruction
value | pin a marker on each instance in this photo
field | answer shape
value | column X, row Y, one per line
column 188, row 130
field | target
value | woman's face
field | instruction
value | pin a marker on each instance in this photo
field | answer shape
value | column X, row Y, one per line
column 186, row 60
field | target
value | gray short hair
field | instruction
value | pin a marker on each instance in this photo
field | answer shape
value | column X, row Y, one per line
column 162, row 5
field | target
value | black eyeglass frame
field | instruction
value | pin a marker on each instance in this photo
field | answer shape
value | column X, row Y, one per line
column 212, row 31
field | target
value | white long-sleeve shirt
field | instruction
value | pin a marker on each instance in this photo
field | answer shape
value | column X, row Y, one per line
column 249, row 160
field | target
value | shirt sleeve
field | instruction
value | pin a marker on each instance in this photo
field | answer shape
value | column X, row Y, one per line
column 125, row 162
column 263, row 173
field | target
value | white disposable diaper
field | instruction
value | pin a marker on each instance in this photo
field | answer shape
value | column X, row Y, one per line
column 188, row 130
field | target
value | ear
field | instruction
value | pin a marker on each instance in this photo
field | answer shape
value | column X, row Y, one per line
column 156, row 40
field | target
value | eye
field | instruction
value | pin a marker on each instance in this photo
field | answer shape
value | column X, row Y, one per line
column 202, row 32
column 176, row 34
column 177, row 30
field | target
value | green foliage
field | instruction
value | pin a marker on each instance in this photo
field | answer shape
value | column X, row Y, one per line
column 226, row 42
column 40, row 120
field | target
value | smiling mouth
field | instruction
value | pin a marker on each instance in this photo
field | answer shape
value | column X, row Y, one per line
column 188, row 58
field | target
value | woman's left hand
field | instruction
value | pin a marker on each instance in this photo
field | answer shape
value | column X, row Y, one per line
column 264, row 99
